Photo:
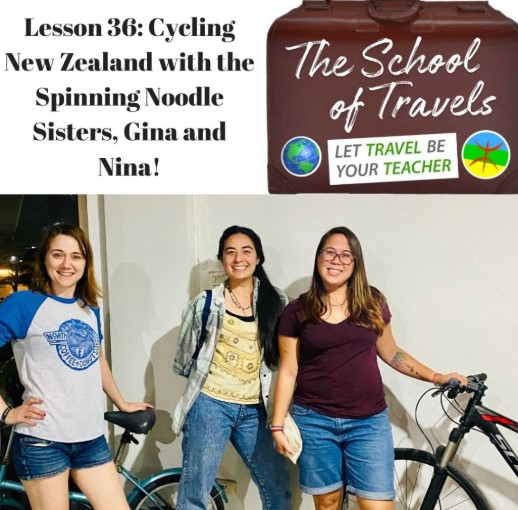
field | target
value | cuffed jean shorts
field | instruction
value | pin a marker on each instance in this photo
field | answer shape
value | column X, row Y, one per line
column 355, row 453
column 39, row 458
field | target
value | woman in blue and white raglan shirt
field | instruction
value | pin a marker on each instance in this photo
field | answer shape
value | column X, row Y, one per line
column 56, row 335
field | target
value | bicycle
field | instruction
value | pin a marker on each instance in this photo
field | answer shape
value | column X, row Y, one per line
column 158, row 491
column 430, row 481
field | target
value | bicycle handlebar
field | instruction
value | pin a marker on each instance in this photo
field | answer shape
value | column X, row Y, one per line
column 478, row 378
column 453, row 387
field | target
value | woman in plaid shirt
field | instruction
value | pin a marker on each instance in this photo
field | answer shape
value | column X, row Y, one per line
column 228, row 384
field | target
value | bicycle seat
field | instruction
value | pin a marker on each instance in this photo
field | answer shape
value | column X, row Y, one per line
column 139, row 422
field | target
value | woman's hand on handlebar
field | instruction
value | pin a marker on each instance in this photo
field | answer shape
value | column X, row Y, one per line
column 442, row 379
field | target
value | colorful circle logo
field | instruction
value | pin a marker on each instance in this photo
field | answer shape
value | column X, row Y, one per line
column 301, row 156
column 486, row 155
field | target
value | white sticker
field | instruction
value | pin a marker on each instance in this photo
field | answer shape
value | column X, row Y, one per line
column 393, row 159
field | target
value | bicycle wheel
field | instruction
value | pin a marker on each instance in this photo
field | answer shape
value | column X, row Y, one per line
column 74, row 505
column 165, row 493
column 12, row 500
column 413, row 471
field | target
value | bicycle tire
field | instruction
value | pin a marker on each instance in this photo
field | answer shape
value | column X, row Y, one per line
column 13, row 500
column 166, row 488
column 413, row 471
column 74, row 505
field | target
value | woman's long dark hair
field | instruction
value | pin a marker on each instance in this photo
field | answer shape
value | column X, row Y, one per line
column 364, row 302
column 269, row 304
column 86, row 289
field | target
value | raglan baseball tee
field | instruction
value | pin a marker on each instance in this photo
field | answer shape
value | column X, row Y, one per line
column 56, row 344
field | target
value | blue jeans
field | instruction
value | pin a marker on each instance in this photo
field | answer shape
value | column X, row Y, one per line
column 210, row 424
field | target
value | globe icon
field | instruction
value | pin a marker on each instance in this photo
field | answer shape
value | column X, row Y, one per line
column 301, row 156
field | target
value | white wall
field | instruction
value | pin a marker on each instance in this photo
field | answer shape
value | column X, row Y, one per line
column 446, row 263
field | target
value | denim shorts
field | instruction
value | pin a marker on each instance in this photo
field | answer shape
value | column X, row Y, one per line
column 39, row 458
column 355, row 453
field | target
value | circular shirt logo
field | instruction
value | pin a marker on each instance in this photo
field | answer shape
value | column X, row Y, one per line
column 301, row 156
column 486, row 155
column 77, row 344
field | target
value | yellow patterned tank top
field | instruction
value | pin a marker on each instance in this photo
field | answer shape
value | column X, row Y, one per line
column 234, row 373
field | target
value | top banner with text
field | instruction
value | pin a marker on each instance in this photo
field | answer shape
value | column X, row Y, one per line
column 137, row 97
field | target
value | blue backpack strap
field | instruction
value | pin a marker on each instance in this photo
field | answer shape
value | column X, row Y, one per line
column 204, row 319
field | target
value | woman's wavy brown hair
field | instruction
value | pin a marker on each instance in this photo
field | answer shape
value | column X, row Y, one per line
column 86, row 289
column 365, row 302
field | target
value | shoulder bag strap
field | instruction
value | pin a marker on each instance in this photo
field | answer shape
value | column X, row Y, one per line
column 204, row 318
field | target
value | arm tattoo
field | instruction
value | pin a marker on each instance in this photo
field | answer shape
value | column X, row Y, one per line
column 401, row 363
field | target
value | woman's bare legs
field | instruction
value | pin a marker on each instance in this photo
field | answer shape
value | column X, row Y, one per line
column 48, row 493
column 371, row 504
column 333, row 501
column 102, row 486
column 329, row 501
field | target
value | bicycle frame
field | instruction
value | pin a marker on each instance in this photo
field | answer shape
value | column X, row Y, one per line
column 11, row 485
column 16, row 486
column 139, row 484
column 79, row 497
column 130, row 426
column 486, row 420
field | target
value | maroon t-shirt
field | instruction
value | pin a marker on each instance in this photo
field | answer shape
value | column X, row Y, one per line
column 338, row 366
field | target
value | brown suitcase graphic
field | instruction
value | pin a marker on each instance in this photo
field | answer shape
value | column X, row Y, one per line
column 393, row 96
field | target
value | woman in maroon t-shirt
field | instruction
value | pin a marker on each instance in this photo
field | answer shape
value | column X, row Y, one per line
column 329, row 340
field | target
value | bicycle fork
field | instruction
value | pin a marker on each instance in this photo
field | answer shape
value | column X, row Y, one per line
column 443, row 455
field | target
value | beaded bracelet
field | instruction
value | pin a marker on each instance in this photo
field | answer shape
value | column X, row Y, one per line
column 7, row 410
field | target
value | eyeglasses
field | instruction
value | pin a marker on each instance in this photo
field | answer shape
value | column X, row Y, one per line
column 345, row 257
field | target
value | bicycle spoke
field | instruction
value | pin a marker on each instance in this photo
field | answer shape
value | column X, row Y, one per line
column 164, row 494
column 414, row 471
column 413, row 475
column 405, row 491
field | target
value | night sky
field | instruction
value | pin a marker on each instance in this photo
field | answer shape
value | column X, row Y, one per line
column 23, row 217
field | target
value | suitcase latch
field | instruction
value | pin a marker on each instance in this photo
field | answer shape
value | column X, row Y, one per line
column 472, row 7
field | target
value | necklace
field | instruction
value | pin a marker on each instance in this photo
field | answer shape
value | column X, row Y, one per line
column 236, row 301
column 338, row 304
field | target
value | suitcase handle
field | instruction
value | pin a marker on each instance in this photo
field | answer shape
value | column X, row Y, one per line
column 393, row 10
column 316, row 4
column 381, row 10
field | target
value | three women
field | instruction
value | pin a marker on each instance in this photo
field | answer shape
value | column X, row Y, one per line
column 330, row 339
